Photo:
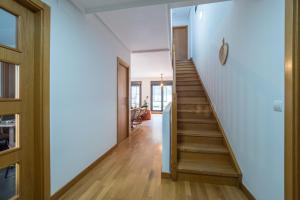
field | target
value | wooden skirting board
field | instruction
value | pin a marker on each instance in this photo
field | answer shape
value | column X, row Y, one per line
column 76, row 179
column 248, row 194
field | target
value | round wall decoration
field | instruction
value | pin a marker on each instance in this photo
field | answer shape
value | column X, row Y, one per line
column 223, row 53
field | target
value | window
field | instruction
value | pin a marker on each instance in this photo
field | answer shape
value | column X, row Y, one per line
column 136, row 94
column 160, row 96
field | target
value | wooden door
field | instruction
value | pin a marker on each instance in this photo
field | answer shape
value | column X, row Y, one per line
column 123, row 101
column 180, row 39
column 17, row 85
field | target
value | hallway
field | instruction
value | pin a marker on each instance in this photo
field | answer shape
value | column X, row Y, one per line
column 133, row 172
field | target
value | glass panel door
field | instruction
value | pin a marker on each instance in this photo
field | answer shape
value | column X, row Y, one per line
column 167, row 95
column 17, row 123
column 156, row 98
column 136, row 94
column 161, row 96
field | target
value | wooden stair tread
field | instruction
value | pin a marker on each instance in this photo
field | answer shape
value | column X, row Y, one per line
column 193, row 111
column 203, row 148
column 207, row 168
column 199, row 121
column 200, row 133
column 195, row 104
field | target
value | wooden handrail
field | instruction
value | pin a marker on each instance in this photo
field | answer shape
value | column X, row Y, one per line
column 174, row 121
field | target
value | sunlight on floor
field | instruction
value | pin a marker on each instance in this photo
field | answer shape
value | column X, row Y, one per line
column 156, row 125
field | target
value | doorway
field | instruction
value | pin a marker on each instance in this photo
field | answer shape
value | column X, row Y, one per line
column 180, row 37
column 123, row 101
column 24, row 100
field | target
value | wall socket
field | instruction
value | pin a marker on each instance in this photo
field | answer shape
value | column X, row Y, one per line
column 278, row 106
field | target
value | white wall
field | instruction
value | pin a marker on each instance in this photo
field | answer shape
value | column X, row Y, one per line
column 182, row 20
column 244, row 90
column 146, row 86
column 166, row 140
column 83, row 90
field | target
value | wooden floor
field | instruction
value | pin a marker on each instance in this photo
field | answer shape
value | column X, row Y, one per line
column 133, row 172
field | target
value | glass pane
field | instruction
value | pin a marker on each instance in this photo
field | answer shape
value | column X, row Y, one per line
column 8, row 183
column 9, row 80
column 167, row 95
column 156, row 98
column 135, row 96
column 8, row 29
column 8, row 132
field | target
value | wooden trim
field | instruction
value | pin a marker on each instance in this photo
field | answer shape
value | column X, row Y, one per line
column 292, row 100
column 221, row 129
column 83, row 173
column 41, row 96
column 173, row 159
column 121, row 62
column 248, row 194
column 165, row 175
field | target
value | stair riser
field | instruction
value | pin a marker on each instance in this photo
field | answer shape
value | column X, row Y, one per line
column 197, row 127
column 187, row 71
column 192, row 75
column 200, row 140
column 192, row 101
column 193, row 87
column 195, row 115
column 196, row 108
column 185, row 63
column 190, row 88
column 187, row 79
column 184, row 69
column 204, row 157
column 193, row 98
column 181, row 176
column 190, row 94
column 188, row 83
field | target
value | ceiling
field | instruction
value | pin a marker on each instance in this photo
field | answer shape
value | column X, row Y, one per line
column 149, row 65
column 94, row 6
column 140, row 29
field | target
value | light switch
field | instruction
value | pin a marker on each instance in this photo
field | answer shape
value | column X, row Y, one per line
column 278, row 106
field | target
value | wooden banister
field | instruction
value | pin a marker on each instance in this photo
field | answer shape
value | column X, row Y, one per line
column 174, row 121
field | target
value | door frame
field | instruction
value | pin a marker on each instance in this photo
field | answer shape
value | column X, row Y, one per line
column 121, row 62
column 41, row 96
column 187, row 38
column 292, row 100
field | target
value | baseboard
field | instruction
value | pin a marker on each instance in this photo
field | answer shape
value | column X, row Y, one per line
column 76, row 179
column 165, row 175
column 248, row 194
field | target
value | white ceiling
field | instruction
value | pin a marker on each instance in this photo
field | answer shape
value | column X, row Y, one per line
column 140, row 29
column 94, row 6
column 149, row 65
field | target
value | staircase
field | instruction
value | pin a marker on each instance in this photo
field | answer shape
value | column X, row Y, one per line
column 202, row 151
